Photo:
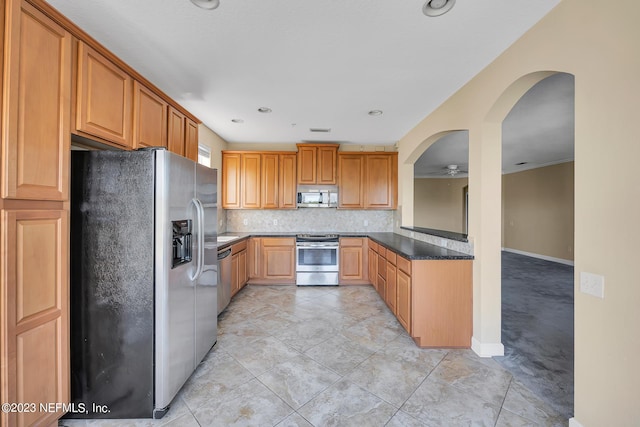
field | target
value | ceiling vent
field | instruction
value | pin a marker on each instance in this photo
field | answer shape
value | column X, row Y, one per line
column 437, row 7
column 320, row 130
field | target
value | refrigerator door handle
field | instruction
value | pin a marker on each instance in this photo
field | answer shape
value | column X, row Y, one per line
column 199, row 239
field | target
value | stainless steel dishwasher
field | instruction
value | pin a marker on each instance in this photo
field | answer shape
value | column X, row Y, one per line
column 224, row 279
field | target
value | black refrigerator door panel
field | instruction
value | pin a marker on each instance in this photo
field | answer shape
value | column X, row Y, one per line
column 112, row 282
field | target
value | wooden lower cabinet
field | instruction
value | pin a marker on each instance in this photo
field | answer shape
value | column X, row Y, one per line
column 34, row 313
column 432, row 299
column 390, row 295
column 403, row 300
column 238, row 266
column 272, row 260
column 353, row 262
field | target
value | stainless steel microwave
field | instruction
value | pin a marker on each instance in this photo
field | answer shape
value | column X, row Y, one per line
column 317, row 198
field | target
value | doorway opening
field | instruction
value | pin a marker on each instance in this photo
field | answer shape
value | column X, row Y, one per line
column 538, row 239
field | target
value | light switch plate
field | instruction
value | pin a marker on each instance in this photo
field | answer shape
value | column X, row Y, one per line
column 592, row 284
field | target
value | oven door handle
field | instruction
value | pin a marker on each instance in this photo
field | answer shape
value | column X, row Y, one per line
column 317, row 245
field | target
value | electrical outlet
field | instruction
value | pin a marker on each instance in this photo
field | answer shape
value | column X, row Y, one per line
column 412, row 234
column 366, row 222
column 245, row 221
column 443, row 243
column 397, row 224
column 592, row 284
column 275, row 222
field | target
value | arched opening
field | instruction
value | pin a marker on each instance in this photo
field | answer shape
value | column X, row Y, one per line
column 441, row 185
column 538, row 239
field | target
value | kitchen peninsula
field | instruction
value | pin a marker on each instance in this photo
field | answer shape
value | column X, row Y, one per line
column 428, row 288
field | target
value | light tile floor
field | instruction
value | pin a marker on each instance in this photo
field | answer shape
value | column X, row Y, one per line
column 336, row 356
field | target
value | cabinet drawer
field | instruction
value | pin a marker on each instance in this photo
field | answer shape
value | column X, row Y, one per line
column 351, row 241
column 391, row 256
column 373, row 245
column 239, row 247
column 403, row 264
column 278, row 241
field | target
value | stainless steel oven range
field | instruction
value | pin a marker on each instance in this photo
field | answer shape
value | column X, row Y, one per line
column 317, row 259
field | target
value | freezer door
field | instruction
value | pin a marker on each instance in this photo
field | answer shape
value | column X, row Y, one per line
column 207, row 283
column 175, row 287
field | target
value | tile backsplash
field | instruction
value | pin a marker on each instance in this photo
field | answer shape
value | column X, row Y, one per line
column 309, row 220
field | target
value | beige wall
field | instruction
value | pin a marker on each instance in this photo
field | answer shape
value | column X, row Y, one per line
column 439, row 203
column 538, row 211
column 599, row 46
column 216, row 144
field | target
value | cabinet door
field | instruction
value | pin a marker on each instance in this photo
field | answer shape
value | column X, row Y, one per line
column 176, row 135
column 287, row 190
column 231, row 164
column 373, row 267
column 235, row 276
column 307, row 164
column 351, row 171
column 103, row 105
column 381, row 181
column 270, row 178
column 403, row 307
column 391, row 291
column 36, row 138
column 352, row 263
column 327, row 168
column 250, row 181
column 278, row 258
column 242, row 269
column 255, row 258
column 149, row 118
column 34, row 312
column 191, row 140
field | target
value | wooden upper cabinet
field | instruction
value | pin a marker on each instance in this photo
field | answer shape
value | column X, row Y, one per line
column 103, row 104
column 307, row 164
column 368, row 180
column 351, row 171
column 231, row 164
column 250, row 173
column 191, row 140
column 287, row 190
column 259, row 180
column 37, row 76
column 270, row 178
column 176, row 133
column 317, row 164
column 149, row 118
column 381, row 181
column 327, row 165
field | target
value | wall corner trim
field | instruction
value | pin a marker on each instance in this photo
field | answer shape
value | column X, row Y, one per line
column 487, row 349
column 574, row 423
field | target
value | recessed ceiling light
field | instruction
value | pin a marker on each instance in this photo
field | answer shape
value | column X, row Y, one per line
column 237, row 120
column 437, row 7
column 521, row 163
column 375, row 113
column 264, row 110
column 325, row 130
column 206, row 4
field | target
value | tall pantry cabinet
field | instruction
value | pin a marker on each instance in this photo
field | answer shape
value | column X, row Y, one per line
column 34, row 206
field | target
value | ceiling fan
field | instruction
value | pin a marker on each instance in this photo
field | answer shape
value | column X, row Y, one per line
column 451, row 170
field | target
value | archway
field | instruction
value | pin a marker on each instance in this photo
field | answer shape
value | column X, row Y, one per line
column 537, row 240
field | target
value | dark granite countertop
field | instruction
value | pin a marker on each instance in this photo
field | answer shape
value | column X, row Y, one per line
column 407, row 247
column 439, row 233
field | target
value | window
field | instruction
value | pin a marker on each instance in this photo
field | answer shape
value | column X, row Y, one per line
column 204, row 155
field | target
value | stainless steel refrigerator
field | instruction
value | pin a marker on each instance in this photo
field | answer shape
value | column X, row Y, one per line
column 143, row 278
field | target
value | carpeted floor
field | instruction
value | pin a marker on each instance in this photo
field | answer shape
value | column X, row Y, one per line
column 537, row 327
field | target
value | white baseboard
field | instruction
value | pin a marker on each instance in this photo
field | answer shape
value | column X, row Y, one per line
column 574, row 423
column 487, row 349
column 544, row 257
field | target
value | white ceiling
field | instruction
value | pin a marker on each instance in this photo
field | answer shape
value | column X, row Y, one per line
column 539, row 131
column 314, row 63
